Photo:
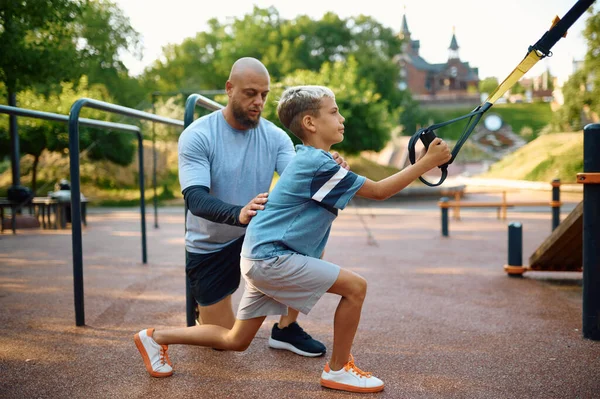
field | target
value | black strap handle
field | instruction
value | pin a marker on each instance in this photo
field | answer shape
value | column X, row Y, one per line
column 427, row 135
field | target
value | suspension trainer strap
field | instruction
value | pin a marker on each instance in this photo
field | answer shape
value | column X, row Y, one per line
column 538, row 51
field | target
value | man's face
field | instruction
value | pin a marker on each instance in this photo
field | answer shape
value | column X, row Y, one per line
column 247, row 97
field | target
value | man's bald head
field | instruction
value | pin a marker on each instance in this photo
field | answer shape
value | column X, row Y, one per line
column 245, row 66
column 247, row 88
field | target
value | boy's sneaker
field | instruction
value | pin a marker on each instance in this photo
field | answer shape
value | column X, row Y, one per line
column 350, row 378
column 155, row 356
column 295, row 339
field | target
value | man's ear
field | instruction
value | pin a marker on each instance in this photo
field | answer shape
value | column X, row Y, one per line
column 229, row 88
column 308, row 123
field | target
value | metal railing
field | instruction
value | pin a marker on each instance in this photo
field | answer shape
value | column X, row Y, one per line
column 188, row 118
column 74, row 120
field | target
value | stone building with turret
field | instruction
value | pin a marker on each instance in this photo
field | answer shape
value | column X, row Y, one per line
column 453, row 81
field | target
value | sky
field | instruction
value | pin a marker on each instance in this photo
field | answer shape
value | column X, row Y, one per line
column 493, row 35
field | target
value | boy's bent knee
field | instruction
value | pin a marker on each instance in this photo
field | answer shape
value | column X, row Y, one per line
column 359, row 289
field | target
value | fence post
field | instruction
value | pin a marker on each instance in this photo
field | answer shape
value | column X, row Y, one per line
column 515, row 268
column 591, row 231
column 555, row 204
column 444, row 207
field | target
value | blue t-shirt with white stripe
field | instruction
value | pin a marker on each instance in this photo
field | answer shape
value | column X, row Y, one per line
column 302, row 206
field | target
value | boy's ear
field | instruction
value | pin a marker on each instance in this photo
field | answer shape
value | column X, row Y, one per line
column 308, row 123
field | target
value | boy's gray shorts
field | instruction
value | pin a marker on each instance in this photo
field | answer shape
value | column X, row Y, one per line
column 292, row 280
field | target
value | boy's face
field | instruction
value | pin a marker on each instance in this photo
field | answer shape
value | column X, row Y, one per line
column 330, row 123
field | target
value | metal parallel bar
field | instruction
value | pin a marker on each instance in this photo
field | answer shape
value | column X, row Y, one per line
column 76, row 235
column 591, row 235
column 4, row 109
column 188, row 118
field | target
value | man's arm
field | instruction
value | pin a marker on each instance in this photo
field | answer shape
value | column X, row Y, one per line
column 200, row 203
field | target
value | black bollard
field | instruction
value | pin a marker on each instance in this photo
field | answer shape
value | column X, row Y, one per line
column 444, row 207
column 555, row 203
column 515, row 268
column 591, row 231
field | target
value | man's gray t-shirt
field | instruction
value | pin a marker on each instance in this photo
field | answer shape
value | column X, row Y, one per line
column 236, row 165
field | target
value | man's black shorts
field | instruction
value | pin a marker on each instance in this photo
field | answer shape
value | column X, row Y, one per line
column 214, row 276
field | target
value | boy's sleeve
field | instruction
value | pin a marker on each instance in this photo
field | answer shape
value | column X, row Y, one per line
column 194, row 164
column 335, row 186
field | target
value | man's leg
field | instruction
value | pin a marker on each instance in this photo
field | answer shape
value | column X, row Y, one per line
column 219, row 314
column 291, row 317
column 288, row 335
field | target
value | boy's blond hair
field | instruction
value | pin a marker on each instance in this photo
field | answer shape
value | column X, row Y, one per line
column 296, row 102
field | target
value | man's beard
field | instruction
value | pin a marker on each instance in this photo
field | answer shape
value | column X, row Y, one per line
column 240, row 116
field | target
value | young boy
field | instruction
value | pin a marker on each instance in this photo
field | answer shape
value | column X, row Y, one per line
column 281, row 253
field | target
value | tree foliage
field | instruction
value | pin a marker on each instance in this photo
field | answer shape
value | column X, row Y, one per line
column 44, row 43
column 326, row 51
column 368, row 123
column 37, row 135
column 582, row 91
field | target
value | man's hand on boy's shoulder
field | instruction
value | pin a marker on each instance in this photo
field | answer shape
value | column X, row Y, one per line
column 249, row 211
column 339, row 160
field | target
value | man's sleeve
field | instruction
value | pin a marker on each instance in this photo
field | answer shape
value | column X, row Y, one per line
column 335, row 186
column 200, row 203
column 285, row 152
column 194, row 163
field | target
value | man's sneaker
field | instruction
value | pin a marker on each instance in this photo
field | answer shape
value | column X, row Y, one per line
column 350, row 378
column 295, row 339
column 155, row 356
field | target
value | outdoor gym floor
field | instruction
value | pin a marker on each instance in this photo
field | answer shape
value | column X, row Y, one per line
column 441, row 318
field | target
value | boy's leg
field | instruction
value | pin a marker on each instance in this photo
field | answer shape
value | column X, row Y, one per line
column 153, row 345
column 341, row 373
column 353, row 290
column 237, row 338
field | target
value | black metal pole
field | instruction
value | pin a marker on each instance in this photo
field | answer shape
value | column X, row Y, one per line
column 555, row 203
column 155, row 199
column 76, row 239
column 444, row 207
column 142, row 196
column 515, row 244
column 15, row 155
column 591, row 234
column 190, row 302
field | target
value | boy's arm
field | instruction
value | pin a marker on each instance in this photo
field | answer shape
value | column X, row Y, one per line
column 438, row 154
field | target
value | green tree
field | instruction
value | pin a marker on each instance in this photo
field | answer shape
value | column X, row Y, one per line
column 286, row 46
column 581, row 92
column 46, row 43
column 38, row 135
column 368, row 121
column 488, row 85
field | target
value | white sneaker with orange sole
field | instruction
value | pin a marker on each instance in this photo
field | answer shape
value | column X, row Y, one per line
column 155, row 356
column 350, row 378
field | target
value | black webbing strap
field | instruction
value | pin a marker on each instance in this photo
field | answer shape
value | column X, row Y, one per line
column 427, row 135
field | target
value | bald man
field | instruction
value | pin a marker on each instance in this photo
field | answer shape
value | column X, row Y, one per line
column 226, row 164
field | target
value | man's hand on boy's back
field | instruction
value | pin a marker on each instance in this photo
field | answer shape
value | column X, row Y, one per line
column 249, row 211
column 437, row 154
column 340, row 161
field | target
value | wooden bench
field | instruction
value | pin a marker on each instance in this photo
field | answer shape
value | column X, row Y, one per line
column 501, row 206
